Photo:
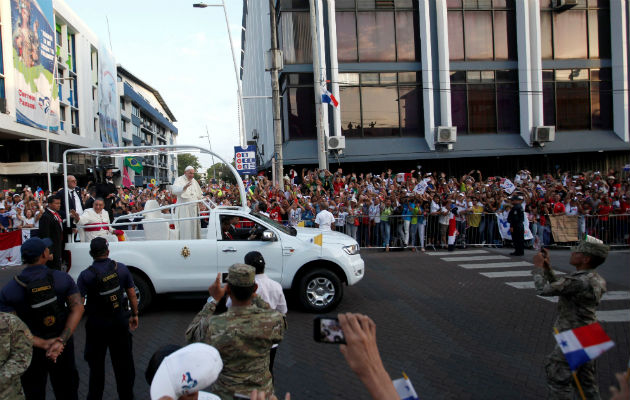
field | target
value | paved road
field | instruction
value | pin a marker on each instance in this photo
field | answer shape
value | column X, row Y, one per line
column 457, row 333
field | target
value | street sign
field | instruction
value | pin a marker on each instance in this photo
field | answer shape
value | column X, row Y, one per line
column 245, row 160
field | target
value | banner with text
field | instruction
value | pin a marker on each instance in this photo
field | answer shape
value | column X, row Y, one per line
column 107, row 98
column 245, row 160
column 33, row 39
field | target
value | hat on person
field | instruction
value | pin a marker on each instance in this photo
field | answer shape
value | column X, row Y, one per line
column 516, row 197
column 592, row 247
column 35, row 247
column 98, row 244
column 186, row 371
column 255, row 259
column 189, row 168
column 241, row 275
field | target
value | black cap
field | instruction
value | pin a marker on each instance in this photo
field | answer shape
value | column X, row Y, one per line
column 255, row 259
column 35, row 247
column 517, row 197
column 98, row 244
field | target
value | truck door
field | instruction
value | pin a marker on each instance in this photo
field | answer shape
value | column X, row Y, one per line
column 234, row 243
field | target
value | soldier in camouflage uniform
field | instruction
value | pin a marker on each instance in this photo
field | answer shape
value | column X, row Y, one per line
column 16, row 350
column 579, row 294
column 243, row 335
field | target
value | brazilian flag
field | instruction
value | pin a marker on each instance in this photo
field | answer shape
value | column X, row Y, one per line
column 134, row 164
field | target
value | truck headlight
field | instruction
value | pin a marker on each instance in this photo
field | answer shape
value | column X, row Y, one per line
column 352, row 249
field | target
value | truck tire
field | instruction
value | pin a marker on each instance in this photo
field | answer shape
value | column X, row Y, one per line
column 143, row 291
column 320, row 291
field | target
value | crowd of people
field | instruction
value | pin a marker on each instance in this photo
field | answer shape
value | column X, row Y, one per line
column 404, row 209
column 244, row 320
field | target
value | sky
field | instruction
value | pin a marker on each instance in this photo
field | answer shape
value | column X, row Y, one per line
column 182, row 52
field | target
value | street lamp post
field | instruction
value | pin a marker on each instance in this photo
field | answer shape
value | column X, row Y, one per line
column 214, row 169
column 239, row 89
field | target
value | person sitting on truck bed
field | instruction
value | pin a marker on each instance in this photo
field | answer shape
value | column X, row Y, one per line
column 94, row 223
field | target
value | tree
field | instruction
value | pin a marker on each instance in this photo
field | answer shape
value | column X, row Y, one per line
column 186, row 159
column 222, row 172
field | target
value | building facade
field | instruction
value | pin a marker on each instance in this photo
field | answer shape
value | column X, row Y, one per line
column 58, row 87
column 146, row 120
column 496, row 70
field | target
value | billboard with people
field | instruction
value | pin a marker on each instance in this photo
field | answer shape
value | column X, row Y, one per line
column 33, row 41
column 107, row 98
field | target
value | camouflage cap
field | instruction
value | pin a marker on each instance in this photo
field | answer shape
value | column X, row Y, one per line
column 241, row 275
column 592, row 249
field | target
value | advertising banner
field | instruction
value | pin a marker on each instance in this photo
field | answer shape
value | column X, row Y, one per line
column 245, row 160
column 107, row 98
column 37, row 103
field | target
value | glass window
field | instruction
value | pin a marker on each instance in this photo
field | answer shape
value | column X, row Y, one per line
column 410, row 117
column 369, row 79
column 376, row 36
column 482, row 30
column 455, row 36
column 570, row 39
column 301, row 113
column 346, row 37
column 485, row 101
column 295, row 37
column 572, row 105
column 407, row 40
column 380, row 111
column 581, row 32
column 504, row 36
column 350, row 112
column 601, row 105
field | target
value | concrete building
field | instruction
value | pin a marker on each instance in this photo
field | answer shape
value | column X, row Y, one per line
column 59, row 82
column 496, row 70
column 146, row 120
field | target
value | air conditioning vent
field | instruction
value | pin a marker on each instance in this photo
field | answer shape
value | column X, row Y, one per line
column 564, row 4
column 544, row 134
column 336, row 142
column 446, row 134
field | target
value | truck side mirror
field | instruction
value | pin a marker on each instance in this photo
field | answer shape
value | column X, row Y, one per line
column 269, row 236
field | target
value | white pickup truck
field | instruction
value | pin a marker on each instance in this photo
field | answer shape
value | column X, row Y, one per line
column 315, row 273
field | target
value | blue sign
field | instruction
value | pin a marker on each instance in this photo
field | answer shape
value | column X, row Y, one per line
column 245, row 160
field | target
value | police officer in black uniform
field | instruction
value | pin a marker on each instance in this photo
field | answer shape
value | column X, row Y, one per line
column 109, row 321
column 516, row 219
column 48, row 301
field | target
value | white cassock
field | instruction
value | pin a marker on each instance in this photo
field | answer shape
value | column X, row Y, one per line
column 91, row 225
column 189, row 229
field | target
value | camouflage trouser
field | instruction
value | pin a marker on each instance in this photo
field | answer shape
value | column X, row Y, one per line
column 560, row 380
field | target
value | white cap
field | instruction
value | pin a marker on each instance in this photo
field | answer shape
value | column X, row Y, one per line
column 188, row 168
column 188, row 370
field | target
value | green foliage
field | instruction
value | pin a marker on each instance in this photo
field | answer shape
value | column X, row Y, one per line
column 222, row 172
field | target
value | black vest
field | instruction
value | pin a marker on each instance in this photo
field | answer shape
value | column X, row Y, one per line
column 106, row 297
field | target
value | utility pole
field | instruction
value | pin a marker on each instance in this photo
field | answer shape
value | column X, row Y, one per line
column 275, row 94
column 319, row 73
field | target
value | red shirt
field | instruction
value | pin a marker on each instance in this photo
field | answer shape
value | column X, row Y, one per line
column 274, row 213
column 603, row 212
column 558, row 208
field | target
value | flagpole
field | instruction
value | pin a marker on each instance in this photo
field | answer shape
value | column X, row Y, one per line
column 577, row 381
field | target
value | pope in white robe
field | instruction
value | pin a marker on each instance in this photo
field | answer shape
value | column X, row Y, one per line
column 187, row 189
column 92, row 223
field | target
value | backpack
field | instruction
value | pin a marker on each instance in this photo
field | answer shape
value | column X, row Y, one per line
column 109, row 295
column 47, row 315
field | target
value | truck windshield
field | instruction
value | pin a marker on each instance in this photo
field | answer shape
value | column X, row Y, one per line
column 273, row 223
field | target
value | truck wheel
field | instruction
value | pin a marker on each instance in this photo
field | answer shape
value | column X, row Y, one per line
column 143, row 292
column 320, row 291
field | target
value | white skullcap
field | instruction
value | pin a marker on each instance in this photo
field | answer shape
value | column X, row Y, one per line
column 188, row 370
column 188, row 168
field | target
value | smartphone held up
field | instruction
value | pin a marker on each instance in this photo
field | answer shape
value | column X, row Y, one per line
column 328, row 330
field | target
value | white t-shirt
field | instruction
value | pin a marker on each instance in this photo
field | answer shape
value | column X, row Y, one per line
column 324, row 219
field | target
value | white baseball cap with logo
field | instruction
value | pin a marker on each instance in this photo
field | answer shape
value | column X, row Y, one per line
column 186, row 371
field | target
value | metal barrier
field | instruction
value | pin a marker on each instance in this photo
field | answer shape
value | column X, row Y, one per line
column 474, row 229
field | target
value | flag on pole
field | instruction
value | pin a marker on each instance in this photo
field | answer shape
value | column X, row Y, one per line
column 583, row 344
column 134, row 164
column 10, row 244
column 405, row 389
column 301, row 224
column 126, row 179
column 317, row 240
column 329, row 98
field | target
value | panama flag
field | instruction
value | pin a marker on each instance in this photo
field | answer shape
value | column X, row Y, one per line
column 405, row 389
column 583, row 344
column 329, row 98
column 10, row 244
